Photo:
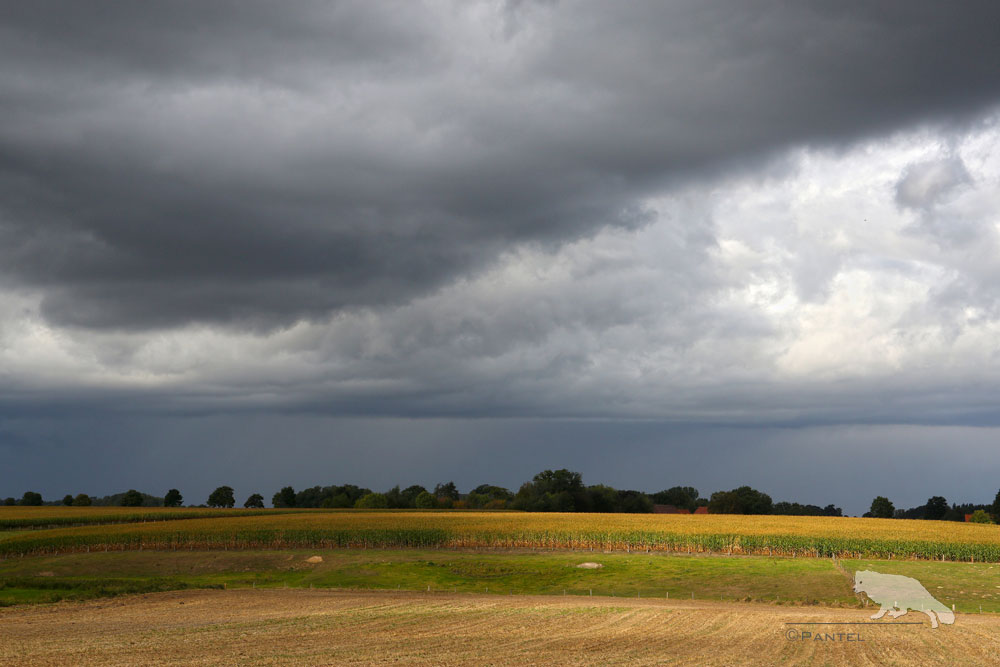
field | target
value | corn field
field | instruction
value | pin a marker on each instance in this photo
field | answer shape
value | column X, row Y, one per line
column 718, row 534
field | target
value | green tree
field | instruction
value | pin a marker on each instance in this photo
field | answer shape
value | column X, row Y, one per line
column 553, row 491
column 82, row 500
column 447, row 490
column 173, row 498
column 425, row 501
column 603, row 498
column 339, row 500
column 372, row 501
column 9, row 501
column 882, row 508
column 222, row 497
column 980, row 516
column 634, row 502
column 67, row 499
column 31, row 498
column 995, row 510
column 744, row 500
column 284, row 498
column 395, row 497
column 558, row 481
column 255, row 501
column 494, row 492
column 132, row 498
column 683, row 497
column 410, row 494
column 936, row 508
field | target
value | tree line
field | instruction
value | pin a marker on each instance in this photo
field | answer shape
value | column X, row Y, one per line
column 936, row 509
column 549, row 491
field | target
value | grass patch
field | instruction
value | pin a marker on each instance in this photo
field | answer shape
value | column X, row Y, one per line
column 743, row 578
column 782, row 580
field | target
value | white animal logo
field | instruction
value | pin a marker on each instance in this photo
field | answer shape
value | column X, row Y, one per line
column 898, row 594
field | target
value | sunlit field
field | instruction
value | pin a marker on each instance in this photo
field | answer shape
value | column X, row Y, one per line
column 731, row 534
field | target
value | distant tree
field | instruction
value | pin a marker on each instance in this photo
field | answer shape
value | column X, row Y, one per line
column 31, row 498
column 329, row 496
column 795, row 509
column 173, row 498
column 339, row 500
column 496, row 492
column 222, row 497
column 447, row 490
column 410, row 494
column 131, row 498
column 602, row 498
column 995, row 510
column 9, row 501
column 744, row 500
column 936, row 508
column 284, row 498
column 634, row 502
column 425, row 501
column 557, row 481
column 372, row 501
column 980, row 516
column 553, row 491
column 255, row 501
column 82, row 500
column 679, row 496
column 487, row 496
column 68, row 499
column 394, row 497
column 831, row 510
column 957, row 512
column 882, row 508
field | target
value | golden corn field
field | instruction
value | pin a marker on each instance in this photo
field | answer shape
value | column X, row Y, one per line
column 736, row 534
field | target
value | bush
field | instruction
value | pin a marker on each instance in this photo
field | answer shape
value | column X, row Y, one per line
column 980, row 516
column 425, row 501
column 372, row 501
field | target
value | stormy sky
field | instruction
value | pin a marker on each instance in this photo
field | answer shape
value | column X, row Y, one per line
column 696, row 243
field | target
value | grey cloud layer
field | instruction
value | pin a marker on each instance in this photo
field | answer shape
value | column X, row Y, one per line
column 257, row 163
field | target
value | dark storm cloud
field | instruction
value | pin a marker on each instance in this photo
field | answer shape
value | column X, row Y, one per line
column 257, row 163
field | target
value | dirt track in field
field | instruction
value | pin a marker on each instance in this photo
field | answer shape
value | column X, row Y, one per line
column 272, row 627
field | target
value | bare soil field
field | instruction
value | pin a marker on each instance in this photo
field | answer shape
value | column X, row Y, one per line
column 314, row 627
